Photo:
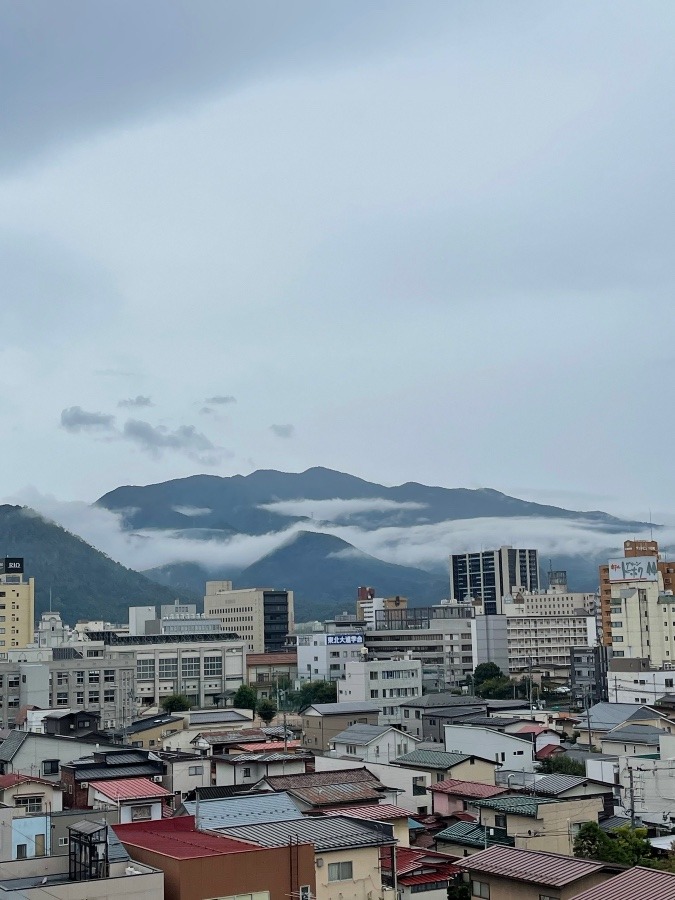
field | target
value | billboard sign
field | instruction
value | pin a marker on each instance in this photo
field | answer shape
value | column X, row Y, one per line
column 635, row 568
column 344, row 638
column 12, row 565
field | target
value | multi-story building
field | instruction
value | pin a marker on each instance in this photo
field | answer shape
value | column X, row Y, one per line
column 323, row 655
column 387, row 682
column 17, row 605
column 588, row 674
column 546, row 640
column 174, row 618
column 262, row 616
column 489, row 575
column 367, row 605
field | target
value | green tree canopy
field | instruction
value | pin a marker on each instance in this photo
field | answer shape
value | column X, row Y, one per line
column 267, row 710
column 561, row 764
column 175, row 703
column 485, row 672
column 628, row 846
column 316, row 692
column 245, row 698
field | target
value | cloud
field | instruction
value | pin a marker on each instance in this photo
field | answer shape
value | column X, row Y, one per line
column 192, row 511
column 283, row 431
column 154, row 439
column 76, row 419
column 337, row 508
column 221, row 399
column 206, row 411
column 139, row 401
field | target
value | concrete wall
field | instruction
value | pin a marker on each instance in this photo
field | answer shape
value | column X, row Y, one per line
column 513, row 753
column 366, row 882
column 318, row 731
column 227, row 774
column 147, row 885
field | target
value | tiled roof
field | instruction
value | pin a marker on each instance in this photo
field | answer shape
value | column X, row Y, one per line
column 271, row 659
column 433, row 759
column 612, row 822
column 467, row 788
column 550, row 869
column 474, row 835
column 534, row 729
column 558, row 784
column 409, row 859
column 14, row 778
column 520, row 805
column 236, row 759
column 319, row 779
column 178, row 839
column 380, row 812
column 129, row 789
column 360, row 734
column 549, row 750
column 325, row 832
column 330, row 794
column 247, row 809
column 267, row 746
column 637, row 883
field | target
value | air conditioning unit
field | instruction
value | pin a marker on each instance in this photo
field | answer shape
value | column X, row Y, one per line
column 84, row 785
column 157, row 779
column 305, row 892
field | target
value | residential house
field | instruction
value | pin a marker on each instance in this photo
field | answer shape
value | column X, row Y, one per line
column 423, row 871
column 601, row 718
column 441, row 764
column 30, row 794
column 637, row 883
column 347, row 852
column 184, row 772
column 150, row 732
column 250, row 768
column 395, row 816
column 567, row 787
column 202, row 864
column 41, row 754
column 246, row 809
column 60, row 822
column 137, row 799
column 266, row 671
column 635, row 739
column 103, row 765
column 372, row 743
column 408, row 784
column 504, row 873
column 65, row 723
column 321, row 722
column 414, row 711
column 96, row 868
column 539, row 823
column 318, row 790
column 453, row 796
column 511, row 751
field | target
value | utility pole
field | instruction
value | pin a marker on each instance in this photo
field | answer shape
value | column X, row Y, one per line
column 631, row 787
column 588, row 724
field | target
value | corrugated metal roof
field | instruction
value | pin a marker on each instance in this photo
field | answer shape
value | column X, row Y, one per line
column 318, row 779
column 515, row 804
column 642, row 734
column 433, row 759
column 605, row 716
column 550, row 869
column 360, row 734
column 442, row 874
column 325, row 832
column 342, row 709
column 474, row 835
column 223, row 715
column 252, row 809
column 10, row 746
column 330, row 794
column 268, row 746
column 380, row 812
column 239, row 758
column 178, row 839
column 637, row 883
column 129, row 789
column 106, row 772
column 467, row 788
column 150, row 722
column 558, row 784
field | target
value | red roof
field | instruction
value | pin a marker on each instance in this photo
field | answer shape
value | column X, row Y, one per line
column 467, row 788
column 377, row 812
column 464, row 817
column 442, row 873
column 14, row 778
column 271, row 659
column 418, row 866
column 534, row 729
column 549, row 750
column 265, row 746
column 129, row 789
column 177, row 838
column 549, row 869
column 637, row 882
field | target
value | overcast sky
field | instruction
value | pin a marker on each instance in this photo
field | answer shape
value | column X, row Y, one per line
column 426, row 241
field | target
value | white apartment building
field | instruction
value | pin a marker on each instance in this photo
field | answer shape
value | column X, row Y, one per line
column 547, row 640
column 386, row 682
column 555, row 601
column 645, row 686
column 323, row 656
column 263, row 617
column 642, row 621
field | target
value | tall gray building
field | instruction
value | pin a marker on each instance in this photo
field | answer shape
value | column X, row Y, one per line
column 489, row 575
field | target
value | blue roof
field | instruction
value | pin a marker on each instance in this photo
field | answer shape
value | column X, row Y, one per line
column 256, row 809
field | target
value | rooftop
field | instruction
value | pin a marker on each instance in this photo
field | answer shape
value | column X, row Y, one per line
column 178, row 839
column 433, row 759
column 378, row 812
column 129, row 789
column 558, row 784
column 245, row 809
column 150, row 722
column 549, row 869
column 271, row 659
column 516, row 804
column 325, row 832
column 360, row 734
column 637, row 883
column 266, row 746
column 321, row 779
column 344, row 709
column 467, row 788
column 444, row 698
column 14, row 778
column 643, row 734
column 473, row 835
column 332, row 794
column 217, row 716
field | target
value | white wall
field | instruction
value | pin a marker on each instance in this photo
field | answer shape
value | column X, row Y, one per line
column 389, row 746
column 513, row 753
column 392, row 776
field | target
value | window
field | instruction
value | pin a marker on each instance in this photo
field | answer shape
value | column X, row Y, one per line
column 94, row 697
column 213, row 666
column 500, row 821
column 480, row 889
column 109, row 676
column 196, row 770
column 62, row 698
column 548, row 897
column 145, row 668
column 340, row 871
column 21, row 851
column 373, row 695
column 109, row 695
column 63, row 842
column 30, row 804
column 141, row 813
column 190, row 667
column 419, row 785
column 50, row 767
column 351, row 749
column 79, row 677
column 94, row 676
column 668, row 682
column 247, row 772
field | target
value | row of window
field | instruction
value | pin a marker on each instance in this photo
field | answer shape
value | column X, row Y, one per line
column 190, row 667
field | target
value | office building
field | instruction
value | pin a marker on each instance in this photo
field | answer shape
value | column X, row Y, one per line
column 17, row 605
column 368, row 605
column 323, row 656
column 261, row 616
column 387, row 682
column 546, row 641
column 489, row 575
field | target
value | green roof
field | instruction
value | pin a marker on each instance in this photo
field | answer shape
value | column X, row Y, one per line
column 474, row 835
column 518, row 805
column 433, row 759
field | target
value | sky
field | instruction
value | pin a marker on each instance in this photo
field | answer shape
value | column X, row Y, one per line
column 423, row 241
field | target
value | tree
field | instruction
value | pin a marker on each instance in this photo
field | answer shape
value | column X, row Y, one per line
column 245, row 698
column 267, row 710
column 628, row 846
column 591, row 842
column 175, row 703
column 496, row 688
column 485, row 672
column 316, row 692
column 561, row 764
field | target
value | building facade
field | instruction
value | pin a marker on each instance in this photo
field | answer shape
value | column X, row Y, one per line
column 261, row 616
column 387, row 682
column 489, row 575
column 17, row 608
